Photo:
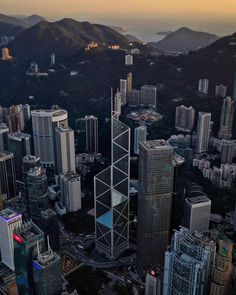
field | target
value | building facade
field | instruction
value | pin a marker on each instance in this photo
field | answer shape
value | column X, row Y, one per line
column 140, row 134
column 226, row 119
column 112, row 195
column 91, row 134
column 203, row 131
column 44, row 123
column 154, row 202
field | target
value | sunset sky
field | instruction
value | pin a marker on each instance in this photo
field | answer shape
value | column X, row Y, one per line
column 63, row 7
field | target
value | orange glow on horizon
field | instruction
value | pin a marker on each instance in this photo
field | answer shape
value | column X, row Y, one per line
column 66, row 7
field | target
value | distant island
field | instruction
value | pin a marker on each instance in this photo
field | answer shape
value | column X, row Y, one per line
column 165, row 33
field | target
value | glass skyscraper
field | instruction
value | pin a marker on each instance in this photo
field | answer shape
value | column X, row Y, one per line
column 112, row 195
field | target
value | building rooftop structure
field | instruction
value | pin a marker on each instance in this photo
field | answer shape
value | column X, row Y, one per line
column 155, row 144
column 48, row 213
column 198, row 199
column 8, row 215
column 18, row 135
column 27, row 232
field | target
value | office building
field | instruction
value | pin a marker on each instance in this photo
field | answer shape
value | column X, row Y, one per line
column 184, row 118
column 154, row 202
column 91, row 134
column 154, row 280
column 9, row 221
column 29, row 162
column 223, row 270
column 27, row 239
column 140, row 134
column 37, row 192
column 188, row 264
column 65, row 150
column 149, row 95
column 6, row 54
column 129, row 60
column 134, row 98
column 118, row 103
column 111, row 187
column 226, row 119
column 50, row 225
column 179, row 166
column 20, row 146
column 123, row 90
column 15, row 118
column 234, row 88
column 197, row 213
column 203, row 131
column 4, row 130
column 44, row 123
column 8, row 176
column 221, row 90
column 129, row 82
column 227, row 152
column 52, row 59
column 203, row 86
column 70, row 185
column 47, row 273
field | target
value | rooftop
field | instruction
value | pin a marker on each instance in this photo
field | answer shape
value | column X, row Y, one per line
column 48, row 213
column 156, row 144
column 27, row 231
column 18, row 135
column 198, row 200
column 7, row 214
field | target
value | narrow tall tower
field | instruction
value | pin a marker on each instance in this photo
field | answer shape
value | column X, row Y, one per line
column 226, row 119
column 112, row 194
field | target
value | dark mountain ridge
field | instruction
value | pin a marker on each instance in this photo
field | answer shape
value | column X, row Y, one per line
column 21, row 21
column 64, row 37
column 184, row 40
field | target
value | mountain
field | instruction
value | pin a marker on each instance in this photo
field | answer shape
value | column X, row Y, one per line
column 132, row 38
column 118, row 29
column 21, row 21
column 10, row 30
column 64, row 37
column 184, row 40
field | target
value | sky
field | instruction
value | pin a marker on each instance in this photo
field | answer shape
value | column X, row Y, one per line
column 143, row 18
column 64, row 7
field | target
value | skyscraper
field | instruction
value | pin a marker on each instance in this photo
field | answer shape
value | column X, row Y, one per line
column 203, row 86
column 140, row 134
column 153, row 281
column 203, row 131
column 9, row 220
column 44, row 123
column 118, row 103
column 221, row 90
column 227, row 152
column 28, row 163
column 226, row 119
column 184, row 118
column 4, row 130
column 8, row 176
column 123, row 90
column 20, row 146
column 37, row 192
column 129, row 82
column 26, row 238
column 129, row 60
column 197, row 213
column 188, row 264
column 234, row 88
column 134, row 98
column 154, row 202
column 91, row 134
column 111, row 188
column 52, row 59
column 223, row 270
column 6, row 54
column 70, row 185
column 47, row 273
column 65, row 150
column 50, row 225
column 179, row 165
column 149, row 95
